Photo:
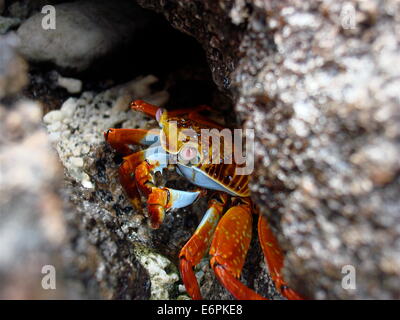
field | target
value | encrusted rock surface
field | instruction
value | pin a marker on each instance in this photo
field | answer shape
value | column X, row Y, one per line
column 321, row 89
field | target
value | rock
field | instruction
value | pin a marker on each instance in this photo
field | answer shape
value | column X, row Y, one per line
column 13, row 68
column 85, row 32
column 162, row 281
column 32, row 228
column 322, row 96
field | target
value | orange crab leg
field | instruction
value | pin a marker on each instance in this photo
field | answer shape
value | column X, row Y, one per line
column 151, row 110
column 144, row 107
column 194, row 250
column 274, row 258
column 192, row 114
column 229, row 248
column 120, row 139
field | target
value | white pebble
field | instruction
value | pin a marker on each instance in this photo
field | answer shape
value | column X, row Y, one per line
column 181, row 288
column 70, row 84
column 87, row 184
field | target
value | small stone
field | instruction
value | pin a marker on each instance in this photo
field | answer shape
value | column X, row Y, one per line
column 87, row 184
column 181, row 288
column 70, row 84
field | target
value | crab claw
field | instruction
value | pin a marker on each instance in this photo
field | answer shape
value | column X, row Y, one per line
column 162, row 199
column 157, row 214
column 156, row 203
column 110, row 135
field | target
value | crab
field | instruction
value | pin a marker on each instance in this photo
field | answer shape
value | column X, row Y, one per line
column 226, row 227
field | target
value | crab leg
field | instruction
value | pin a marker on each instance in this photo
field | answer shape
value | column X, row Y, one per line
column 151, row 110
column 229, row 248
column 197, row 246
column 192, row 114
column 274, row 258
column 120, row 139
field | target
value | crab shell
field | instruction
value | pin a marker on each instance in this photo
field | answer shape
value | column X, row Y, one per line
column 180, row 134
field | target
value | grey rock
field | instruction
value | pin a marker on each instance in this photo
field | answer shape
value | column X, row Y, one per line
column 85, row 32
column 323, row 98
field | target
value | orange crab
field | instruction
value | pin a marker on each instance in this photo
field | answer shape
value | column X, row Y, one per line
column 226, row 227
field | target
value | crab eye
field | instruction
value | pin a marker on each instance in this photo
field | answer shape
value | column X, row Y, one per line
column 159, row 113
column 189, row 154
